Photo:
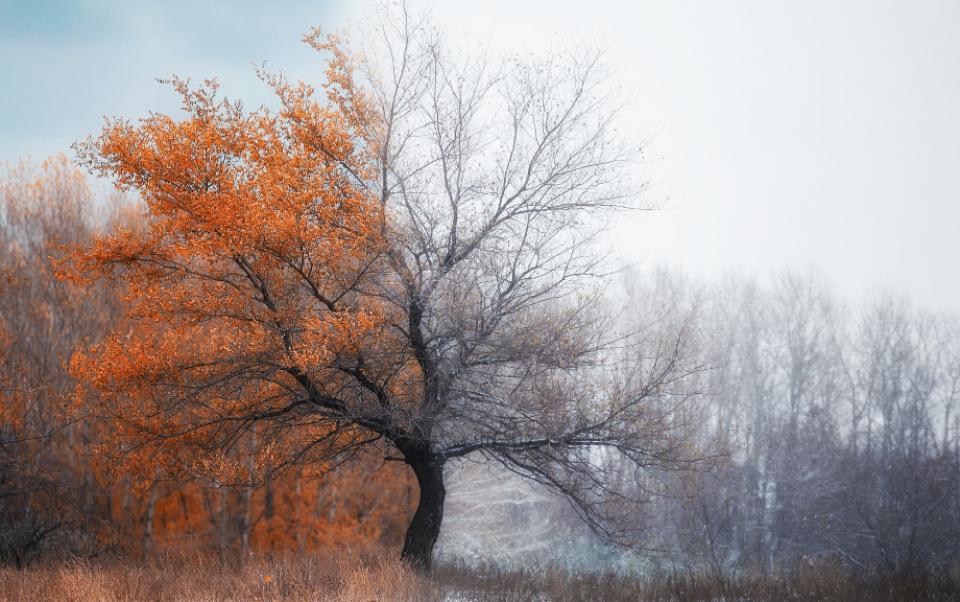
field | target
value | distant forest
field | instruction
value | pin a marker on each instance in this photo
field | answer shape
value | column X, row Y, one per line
column 831, row 431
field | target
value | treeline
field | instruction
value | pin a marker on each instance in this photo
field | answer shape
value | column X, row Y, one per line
column 67, row 482
column 826, row 433
column 830, row 432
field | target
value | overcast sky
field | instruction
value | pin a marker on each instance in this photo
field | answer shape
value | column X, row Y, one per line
column 781, row 134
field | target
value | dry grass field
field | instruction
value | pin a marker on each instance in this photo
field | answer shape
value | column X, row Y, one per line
column 362, row 578
column 366, row 577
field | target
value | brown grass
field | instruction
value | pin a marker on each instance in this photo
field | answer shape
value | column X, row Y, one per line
column 365, row 577
column 813, row 584
column 337, row 578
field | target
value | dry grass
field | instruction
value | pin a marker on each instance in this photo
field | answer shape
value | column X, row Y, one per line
column 367, row 577
column 818, row 584
column 341, row 578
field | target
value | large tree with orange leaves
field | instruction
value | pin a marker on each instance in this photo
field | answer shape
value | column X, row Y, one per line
column 59, row 492
column 407, row 262
column 243, row 285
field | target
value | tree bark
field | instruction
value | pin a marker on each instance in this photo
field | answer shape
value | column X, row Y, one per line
column 425, row 526
column 148, row 520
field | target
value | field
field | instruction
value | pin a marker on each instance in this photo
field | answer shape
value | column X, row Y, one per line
column 374, row 577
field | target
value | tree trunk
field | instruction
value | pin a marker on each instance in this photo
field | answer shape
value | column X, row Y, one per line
column 146, row 546
column 425, row 527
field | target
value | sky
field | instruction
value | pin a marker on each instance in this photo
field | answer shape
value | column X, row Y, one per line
column 779, row 134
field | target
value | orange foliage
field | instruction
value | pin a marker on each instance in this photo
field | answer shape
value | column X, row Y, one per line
column 80, row 456
column 241, row 282
column 247, row 287
column 295, row 512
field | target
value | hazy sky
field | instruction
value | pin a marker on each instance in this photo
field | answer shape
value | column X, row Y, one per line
column 781, row 134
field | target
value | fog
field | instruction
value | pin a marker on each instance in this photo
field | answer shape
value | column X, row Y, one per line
column 776, row 134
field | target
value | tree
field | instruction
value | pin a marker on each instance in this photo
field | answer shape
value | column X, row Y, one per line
column 834, row 425
column 46, row 483
column 409, row 264
column 251, row 236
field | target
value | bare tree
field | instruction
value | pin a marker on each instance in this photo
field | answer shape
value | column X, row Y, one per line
column 497, row 179
column 835, row 426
